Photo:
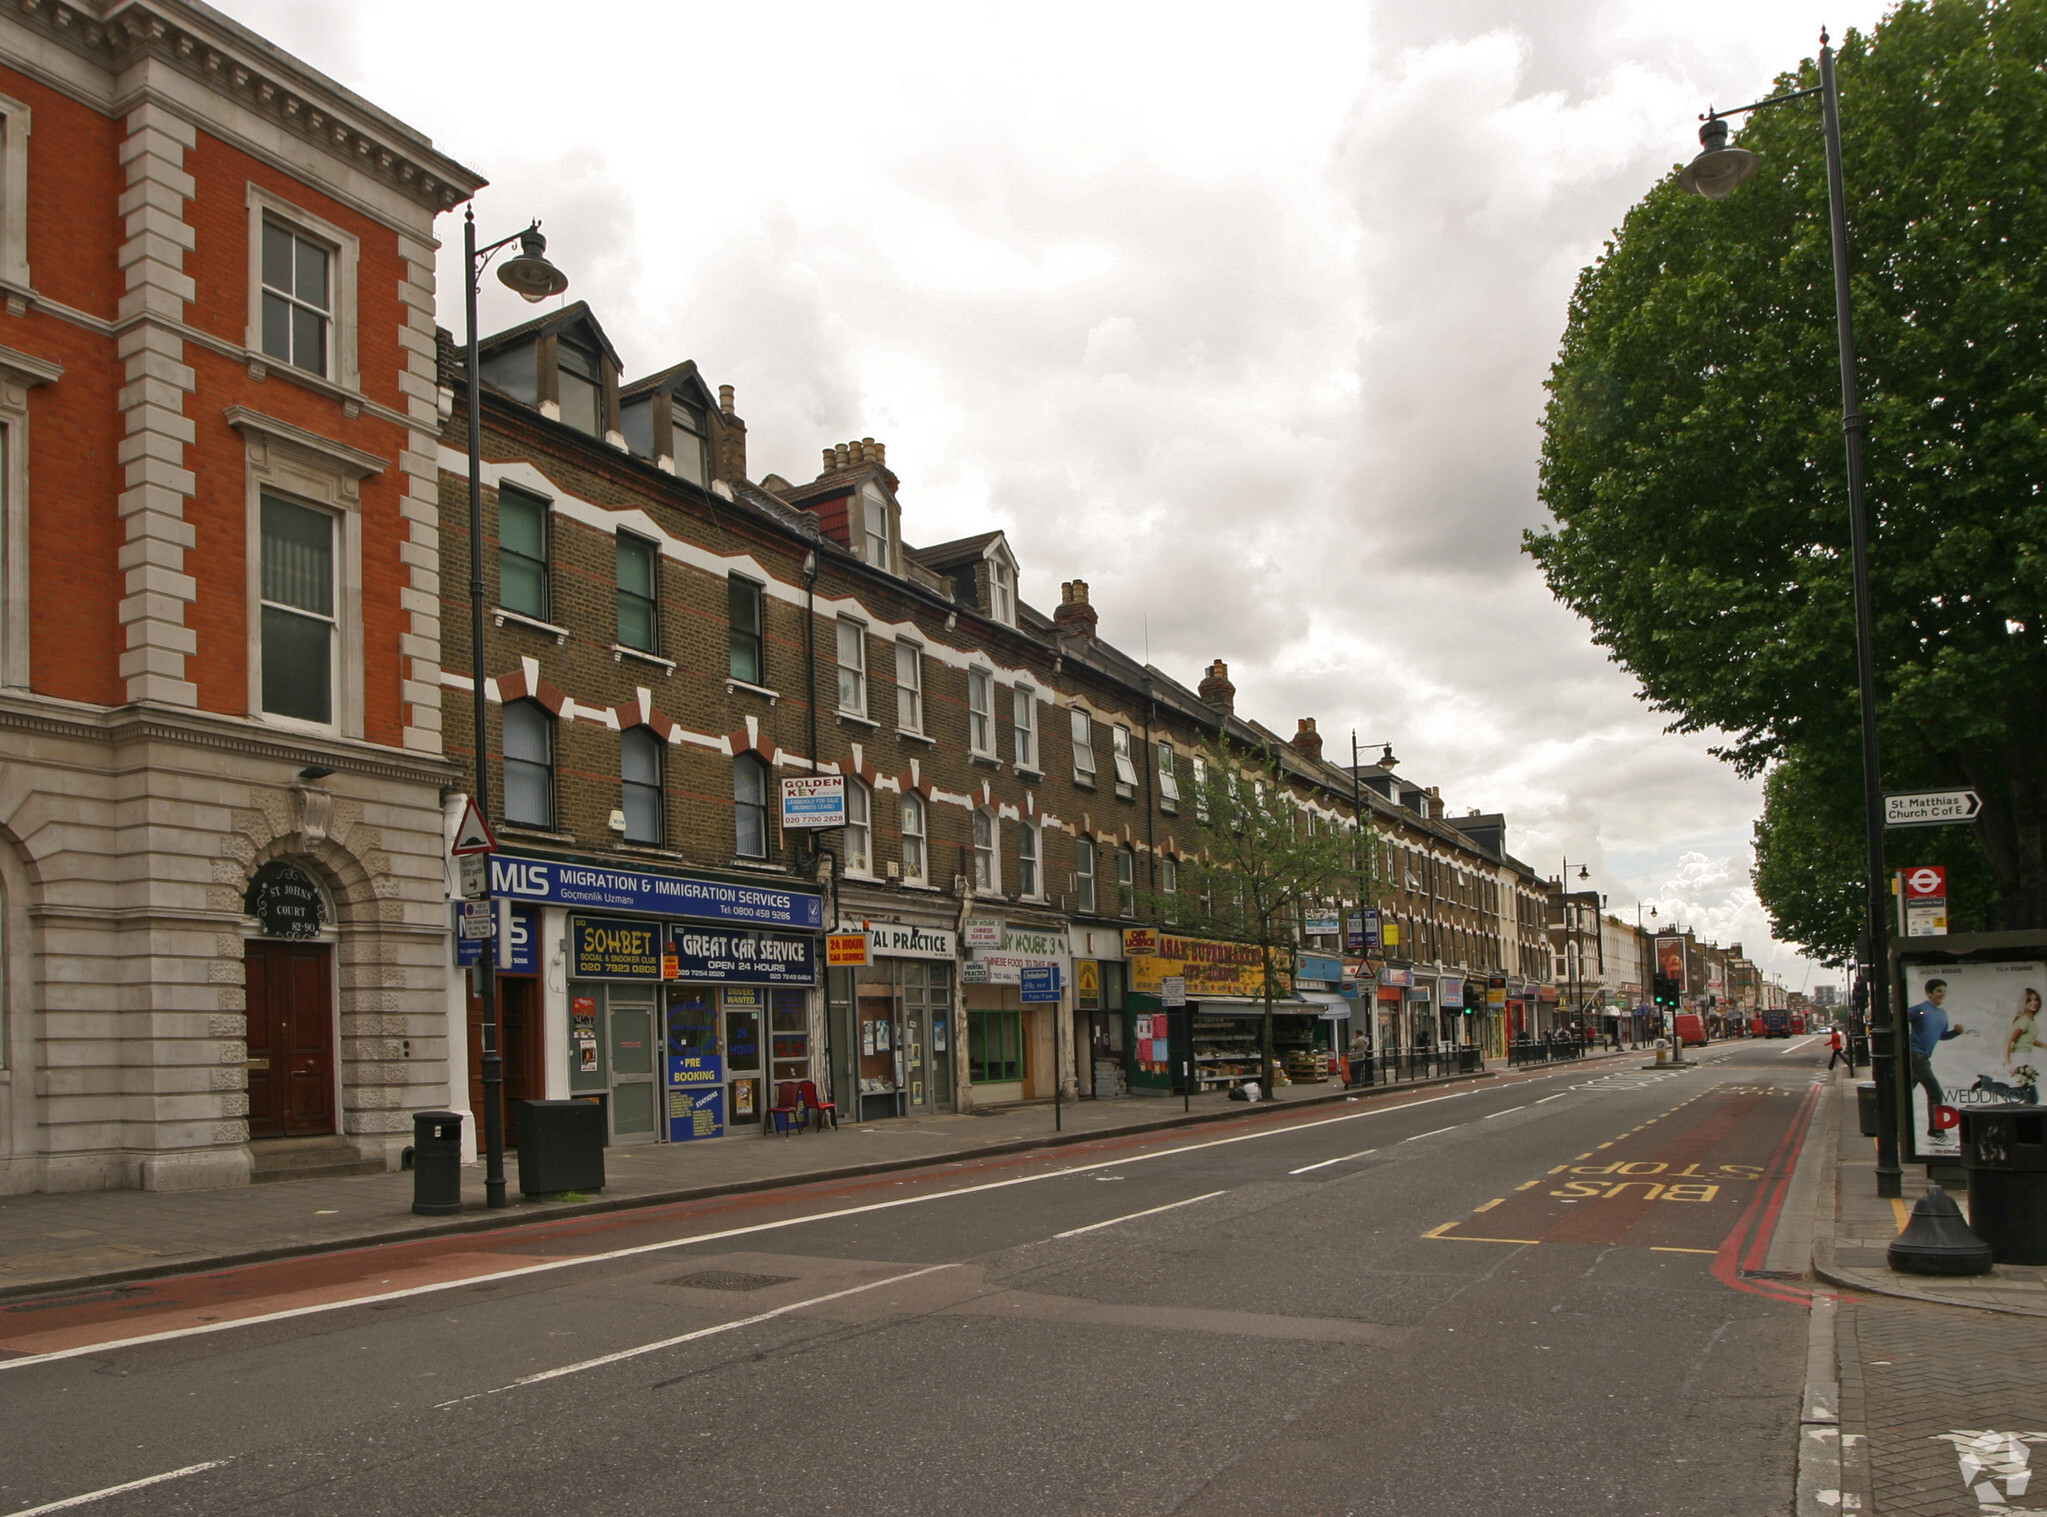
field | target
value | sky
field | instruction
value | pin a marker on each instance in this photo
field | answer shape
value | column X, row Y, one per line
column 1241, row 315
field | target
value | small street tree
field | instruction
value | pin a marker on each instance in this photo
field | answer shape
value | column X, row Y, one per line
column 1266, row 862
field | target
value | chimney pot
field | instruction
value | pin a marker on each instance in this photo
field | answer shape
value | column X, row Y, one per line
column 725, row 400
column 1306, row 740
column 1073, row 616
column 1216, row 690
column 879, row 452
column 831, row 460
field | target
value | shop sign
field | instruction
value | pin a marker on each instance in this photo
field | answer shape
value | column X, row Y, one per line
column 561, row 884
column 1400, row 977
column 1038, row 982
column 845, row 950
column 1496, row 995
column 898, row 940
column 1323, row 968
column 1140, row 942
column 517, row 954
column 1210, row 968
column 1323, row 924
column 740, row 957
column 1453, row 993
column 284, row 901
column 1546, row 993
column 974, row 973
column 1022, row 948
column 1087, row 985
column 814, row 800
column 1420, row 991
column 983, row 932
column 614, row 948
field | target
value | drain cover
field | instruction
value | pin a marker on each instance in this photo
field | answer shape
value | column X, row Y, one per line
column 727, row 1280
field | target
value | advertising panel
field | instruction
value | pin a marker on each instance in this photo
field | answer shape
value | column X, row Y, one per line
column 1670, row 963
column 1021, row 948
column 517, row 955
column 1210, row 968
column 740, row 957
column 846, row 950
column 1973, row 1037
column 563, row 884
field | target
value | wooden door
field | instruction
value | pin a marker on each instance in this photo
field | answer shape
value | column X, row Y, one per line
column 518, row 1046
column 291, row 1039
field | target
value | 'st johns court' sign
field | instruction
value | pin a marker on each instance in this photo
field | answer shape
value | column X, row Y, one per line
column 674, row 895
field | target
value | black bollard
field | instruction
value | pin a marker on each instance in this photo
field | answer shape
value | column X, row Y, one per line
column 1937, row 1241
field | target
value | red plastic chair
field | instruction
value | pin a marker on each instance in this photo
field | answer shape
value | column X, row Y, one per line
column 788, row 1109
column 823, row 1109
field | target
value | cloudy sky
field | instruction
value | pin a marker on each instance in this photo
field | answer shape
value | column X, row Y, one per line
column 1242, row 315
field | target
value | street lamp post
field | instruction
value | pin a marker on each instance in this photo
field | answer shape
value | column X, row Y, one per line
column 1645, row 966
column 1362, row 842
column 1573, row 953
column 534, row 278
column 1715, row 173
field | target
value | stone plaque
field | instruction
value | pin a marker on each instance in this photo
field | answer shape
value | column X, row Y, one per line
column 284, row 901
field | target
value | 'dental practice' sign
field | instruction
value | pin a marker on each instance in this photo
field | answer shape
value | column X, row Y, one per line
column 565, row 884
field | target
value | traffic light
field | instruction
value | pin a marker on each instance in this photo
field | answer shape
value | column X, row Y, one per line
column 1666, row 991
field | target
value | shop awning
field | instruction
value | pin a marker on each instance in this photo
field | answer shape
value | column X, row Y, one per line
column 1245, row 1006
column 1331, row 1006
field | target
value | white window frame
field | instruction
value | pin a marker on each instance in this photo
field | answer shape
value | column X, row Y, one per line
column 1001, row 591
column 1198, row 773
column 857, row 669
column 1084, row 879
column 988, row 855
column 299, row 466
column 337, row 537
column 1169, row 889
column 344, row 365
column 1120, row 755
column 1169, row 781
column 873, row 512
column 1024, row 715
column 981, row 711
column 1030, row 872
column 910, row 692
column 916, row 842
column 1126, row 883
column 1082, row 727
column 17, row 122
column 859, row 859
column 19, row 373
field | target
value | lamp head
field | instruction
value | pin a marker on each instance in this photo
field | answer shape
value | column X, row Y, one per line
column 530, row 275
column 1719, row 168
column 1386, row 758
column 1583, row 874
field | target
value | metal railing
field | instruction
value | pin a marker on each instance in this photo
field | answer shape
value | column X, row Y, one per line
column 1391, row 1066
column 1544, row 1051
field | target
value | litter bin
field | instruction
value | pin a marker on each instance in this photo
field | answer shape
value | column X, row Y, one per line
column 2004, row 1149
column 561, row 1147
column 1865, row 1106
column 436, row 1163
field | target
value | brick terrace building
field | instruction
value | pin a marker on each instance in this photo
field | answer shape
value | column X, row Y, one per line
column 221, row 887
column 669, row 639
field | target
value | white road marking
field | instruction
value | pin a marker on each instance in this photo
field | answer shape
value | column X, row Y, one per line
column 114, row 1490
column 1432, row 1132
column 1557, row 1097
column 197, row 1329
column 1075, row 1232
column 1801, row 1043
column 702, row 1332
column 1491, row 1115
column 1325, row 1163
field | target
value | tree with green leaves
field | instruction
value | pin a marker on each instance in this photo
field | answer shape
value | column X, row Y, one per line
column 1266, row 860
column 1693, row 463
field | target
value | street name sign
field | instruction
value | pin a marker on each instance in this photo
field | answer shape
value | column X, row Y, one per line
column 1931, row 808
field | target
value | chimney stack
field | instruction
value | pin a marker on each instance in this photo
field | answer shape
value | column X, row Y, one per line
column 1073, row 616
column 1433, row 807
column 1306, row 740
column 725, row 400
column 1216, row 690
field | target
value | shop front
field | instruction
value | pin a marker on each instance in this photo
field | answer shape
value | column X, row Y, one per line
column 675, row 1002
column 1016, row 1050
column 1225, row 985
column 894, row 1022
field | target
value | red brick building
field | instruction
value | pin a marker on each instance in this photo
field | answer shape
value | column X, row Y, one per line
column 222, row 919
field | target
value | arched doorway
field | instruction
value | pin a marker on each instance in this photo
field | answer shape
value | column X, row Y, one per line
column 289, row 976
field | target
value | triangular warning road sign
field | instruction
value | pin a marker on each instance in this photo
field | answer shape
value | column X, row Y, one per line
column 473, row 836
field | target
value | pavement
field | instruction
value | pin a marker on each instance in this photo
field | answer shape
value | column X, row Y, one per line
column 1923, row 1392
column 83, row 1239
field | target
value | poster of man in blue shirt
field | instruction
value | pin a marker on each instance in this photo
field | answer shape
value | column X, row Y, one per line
column 1957, row 1047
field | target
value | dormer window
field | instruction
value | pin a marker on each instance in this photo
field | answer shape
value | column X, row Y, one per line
column 581, row 394
column 691, row 444
column 513, row 370
column 874, row 525
column 1001, row 592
